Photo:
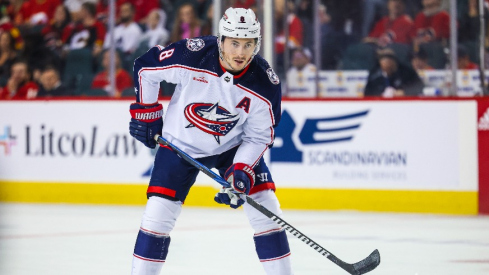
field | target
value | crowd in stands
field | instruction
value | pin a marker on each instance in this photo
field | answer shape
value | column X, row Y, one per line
column 354, row 35
column 60, row 48
column 52, row 48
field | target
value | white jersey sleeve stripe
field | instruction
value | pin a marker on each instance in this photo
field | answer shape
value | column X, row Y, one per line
column 149, row 73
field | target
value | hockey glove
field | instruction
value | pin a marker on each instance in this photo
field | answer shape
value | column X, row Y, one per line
column 146, row 122
column 242, row 178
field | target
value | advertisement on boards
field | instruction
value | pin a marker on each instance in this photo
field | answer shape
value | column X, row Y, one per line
column 409, row 145
column 70, row 141
column 483, row 135
column 396, row 145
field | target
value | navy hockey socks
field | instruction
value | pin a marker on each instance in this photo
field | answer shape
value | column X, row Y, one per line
column 151, row 246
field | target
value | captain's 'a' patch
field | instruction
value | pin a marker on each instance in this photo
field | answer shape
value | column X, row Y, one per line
column 273, row 76
column 195, row 44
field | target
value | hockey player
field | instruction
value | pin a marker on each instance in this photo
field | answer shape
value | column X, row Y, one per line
column 223, row 113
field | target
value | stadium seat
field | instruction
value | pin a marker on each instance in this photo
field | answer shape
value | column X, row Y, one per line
column 142, row 49
column 128, row 92
column 359, row 57
column 402, row 51
column 436, row 54
column 473, row 50
column 95, row 92
column 78, row 73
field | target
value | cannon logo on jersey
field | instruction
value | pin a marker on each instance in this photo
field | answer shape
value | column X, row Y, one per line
column 273, row 76
column 195, row 44
column 211, row 118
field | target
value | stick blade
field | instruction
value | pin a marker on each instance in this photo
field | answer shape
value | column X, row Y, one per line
column 368, row 264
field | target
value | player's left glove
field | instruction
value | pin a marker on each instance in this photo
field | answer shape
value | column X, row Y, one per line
column 242, row 178
column 146, row 122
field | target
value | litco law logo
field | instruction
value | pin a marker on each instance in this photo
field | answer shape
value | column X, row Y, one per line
column 7, row 140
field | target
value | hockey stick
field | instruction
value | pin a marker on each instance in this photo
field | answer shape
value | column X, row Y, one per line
column 362, row 267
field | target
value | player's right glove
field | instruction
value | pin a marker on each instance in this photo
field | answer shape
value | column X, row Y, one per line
column 146, row 122
column 242, row 178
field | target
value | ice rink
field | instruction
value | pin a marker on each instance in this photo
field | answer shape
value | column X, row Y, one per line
column 51, row 239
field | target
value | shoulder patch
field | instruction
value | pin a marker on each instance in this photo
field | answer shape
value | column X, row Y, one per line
column 195, row 44
column 273, row 76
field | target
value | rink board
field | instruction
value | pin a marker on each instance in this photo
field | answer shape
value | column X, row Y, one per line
column 442, row 202
column 402, row 155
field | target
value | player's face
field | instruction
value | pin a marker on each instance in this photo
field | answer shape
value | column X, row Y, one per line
column 237, row 52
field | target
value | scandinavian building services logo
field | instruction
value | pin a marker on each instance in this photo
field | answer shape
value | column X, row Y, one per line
column 7, row 140
column 315, row 131
column 484, row 121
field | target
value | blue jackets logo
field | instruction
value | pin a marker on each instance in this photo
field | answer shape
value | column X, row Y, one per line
column 211, row 118
column 314, row 131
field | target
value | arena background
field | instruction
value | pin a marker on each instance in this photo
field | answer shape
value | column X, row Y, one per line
column 335, row 148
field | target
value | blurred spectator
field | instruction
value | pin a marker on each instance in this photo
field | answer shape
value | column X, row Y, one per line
column 432, row 24
column 346, row 18
column 103, row 9
column 155, row 33
column 305, row 14
column 394, row 28
column 390, row 78
column 19, row 85
column 8, row 54
column 53, row 32
column 186, row 25
column 6, row 25
column 127, row 34
column 202, row 8
column 296, row 31
column 301, row 76
column 295, row 37
column 75, row 6
column 16, row 13
column 419, row 61
column 86, row 32
column 372, row 10
column 142, row 8
column 207, row 21
column 469, row 22
column 305, row 10
column 38, row 55
column 245, row 4
column 122, row 78
column 463, row 59
column 331, row 49
column 51, row 85
column 38, row 12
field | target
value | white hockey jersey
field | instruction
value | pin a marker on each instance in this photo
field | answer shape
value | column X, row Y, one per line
column 211, row 110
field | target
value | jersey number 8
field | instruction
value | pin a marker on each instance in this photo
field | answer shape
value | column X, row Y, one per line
column 166, row 54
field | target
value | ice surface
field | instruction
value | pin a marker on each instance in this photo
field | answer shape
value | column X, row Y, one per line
column 51, row 239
